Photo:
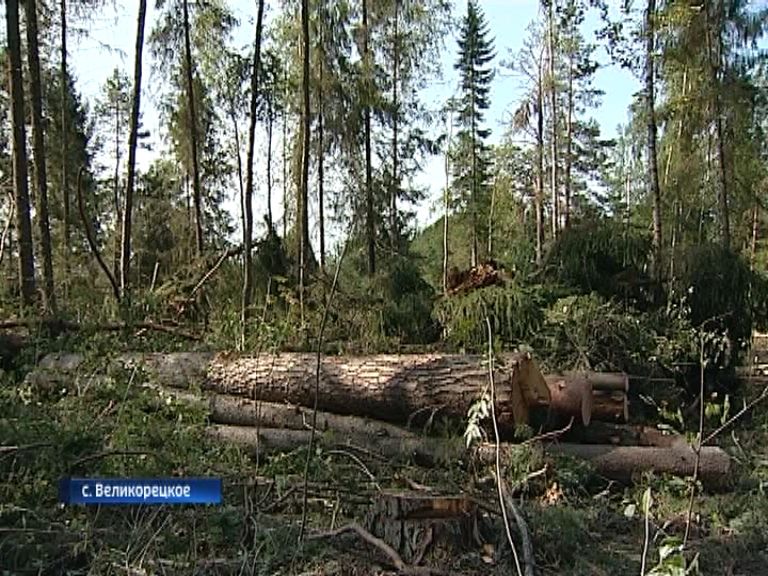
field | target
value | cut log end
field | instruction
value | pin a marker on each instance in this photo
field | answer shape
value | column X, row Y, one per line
column 571, row 397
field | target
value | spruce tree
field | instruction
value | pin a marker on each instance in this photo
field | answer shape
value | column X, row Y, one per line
column 476, row 74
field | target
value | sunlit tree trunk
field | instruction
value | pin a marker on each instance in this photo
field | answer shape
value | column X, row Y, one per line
column 270, row 123
column 652, row 171
column 394, row 232
column 321, row 60
column 446, row 203
column 303, row 216
column 540, row 164
column 321, row 166
column 714, row 54
column 568, row 146
column 286, row 196
column 369, row 225
column 553, row 111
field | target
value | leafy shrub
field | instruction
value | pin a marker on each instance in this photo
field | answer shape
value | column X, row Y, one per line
column 515, row 313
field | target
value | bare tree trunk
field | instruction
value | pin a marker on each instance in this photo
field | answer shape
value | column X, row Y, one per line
column 395, row 126
column 569, row 146
column 675, row 225
column 474, row 180
column 714, row 54
column 240, row 183
column 446, row 198
column 753, row 247
column 270, row 123
column 321, row 150
column 553, row 107
column 64, row 149
column 540, row 165
column 652, row 173
column 20, row 183
column 304, row 215
column 132, row 141
column 490, row 221
column 193, row 133
column 248, row 196
column 7, row 228
column 285, row 163
column 369, row 226
column 38, row 138
column 118, row 210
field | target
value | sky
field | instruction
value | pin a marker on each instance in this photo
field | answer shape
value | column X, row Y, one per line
column 109, row 43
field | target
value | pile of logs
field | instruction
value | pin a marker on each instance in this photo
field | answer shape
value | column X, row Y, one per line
column 265, row 403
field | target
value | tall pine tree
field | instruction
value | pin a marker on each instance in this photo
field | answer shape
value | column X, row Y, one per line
column 471, row 170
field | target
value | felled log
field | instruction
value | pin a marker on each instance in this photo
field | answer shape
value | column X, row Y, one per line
column 245, row 412
column 624, row 435
column 622, row 463
column 391, row 387
column 421, row 451
column 608, row 381
column 387, row 387
column 602, row 394
column 570, row 396
column 610, row 406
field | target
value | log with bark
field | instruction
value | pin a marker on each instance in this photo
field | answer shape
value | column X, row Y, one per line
column 387, row 387
column 608, row 381
column 624, row 435
column 624, row 463
column 245, row 412
column 620, row 463
column 392, row 388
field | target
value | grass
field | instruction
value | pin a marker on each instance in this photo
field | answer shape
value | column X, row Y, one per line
column 113, row 426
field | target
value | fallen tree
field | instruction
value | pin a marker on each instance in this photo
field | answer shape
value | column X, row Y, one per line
column 393, row 388
column 245, row 412
column 621, row 463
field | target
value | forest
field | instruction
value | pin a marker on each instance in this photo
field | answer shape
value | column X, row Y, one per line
column 550, row 356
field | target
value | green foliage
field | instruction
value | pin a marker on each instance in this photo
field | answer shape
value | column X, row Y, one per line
column 601, row 256
column 408, row 301
column 722, row 296
column 514, row 311
column 590, row 332
column 672, row 561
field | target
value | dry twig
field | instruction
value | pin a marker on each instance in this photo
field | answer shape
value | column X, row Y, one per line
column 385, row 548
